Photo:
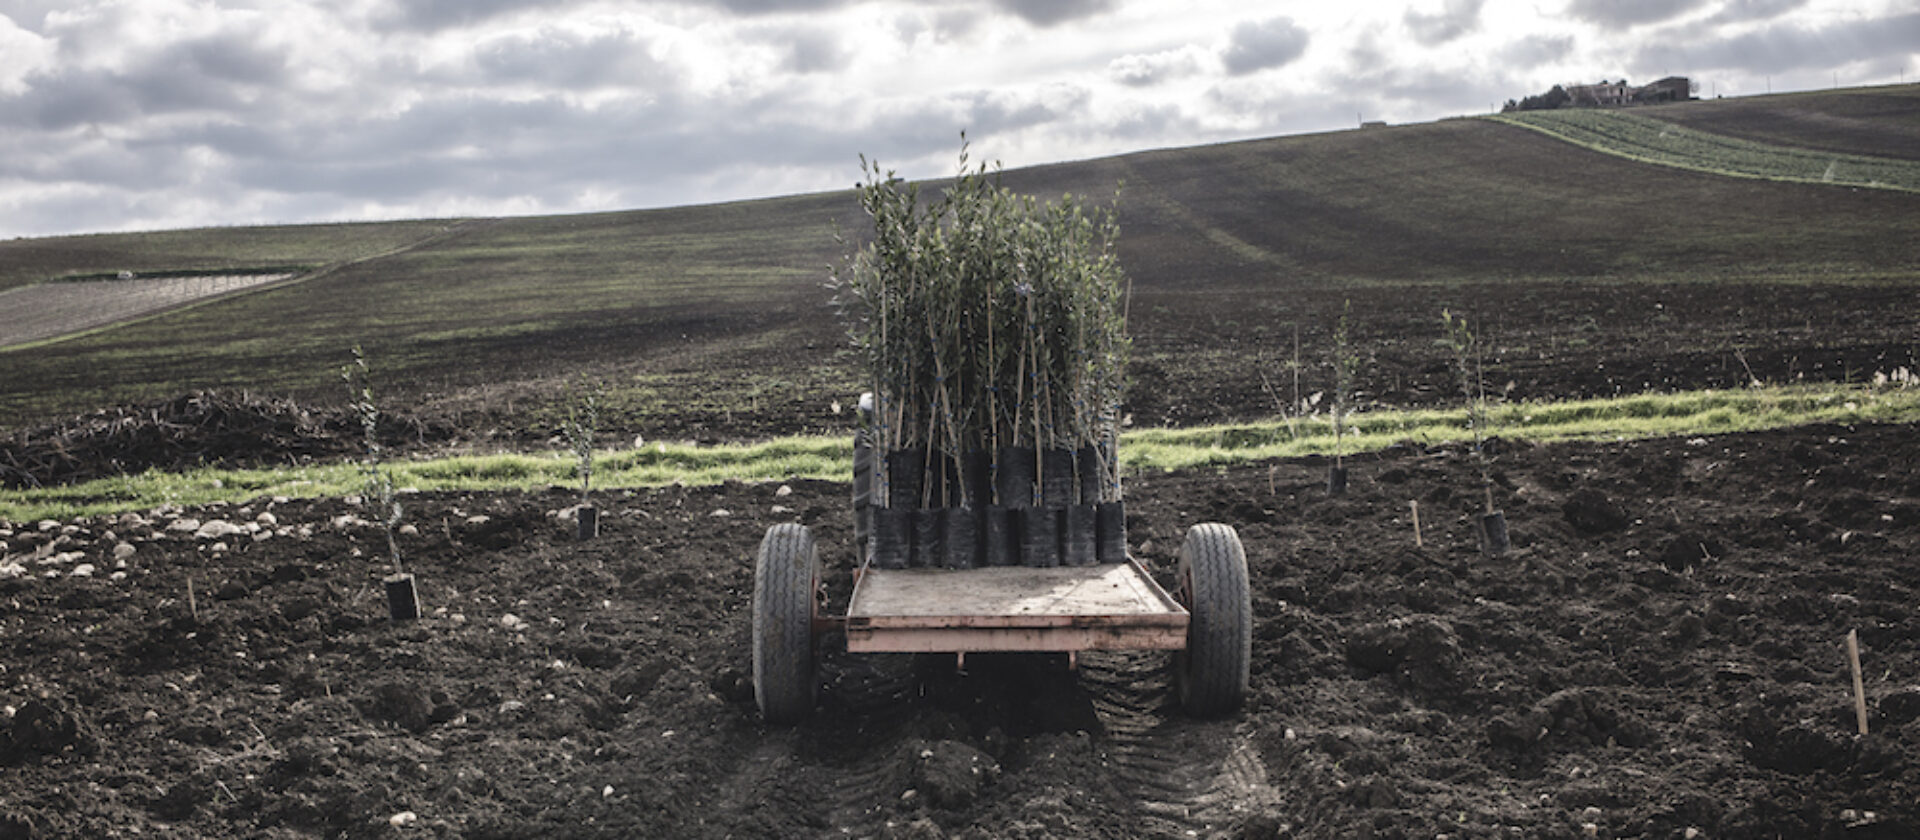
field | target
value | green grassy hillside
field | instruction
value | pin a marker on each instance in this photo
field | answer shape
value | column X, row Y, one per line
column 714, row 320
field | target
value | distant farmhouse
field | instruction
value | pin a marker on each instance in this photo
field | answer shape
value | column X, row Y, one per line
column 1606, row 95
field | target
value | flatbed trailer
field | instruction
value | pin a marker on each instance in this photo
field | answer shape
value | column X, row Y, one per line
column 1206, row 621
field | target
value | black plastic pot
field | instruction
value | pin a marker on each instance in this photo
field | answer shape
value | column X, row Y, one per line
column 977, row 479
column 403, row 598
column 1088, row 463
column 892, row 547
column 997, row 533
column 587, row 525
column 1078, row 546
column 1110, row 531
column 926, row 539
column 1336, row 481
column 961, row 533
column 1057, row 478
column 1039, row 537
column 906, row 473
column 1493, row 533
column 1013, row 476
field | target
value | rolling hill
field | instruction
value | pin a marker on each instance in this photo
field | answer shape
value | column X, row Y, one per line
column 1588, row 273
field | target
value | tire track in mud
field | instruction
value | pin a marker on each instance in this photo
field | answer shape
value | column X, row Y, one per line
column 1190, row 777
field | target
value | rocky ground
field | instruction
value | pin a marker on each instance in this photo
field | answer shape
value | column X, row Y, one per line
column 1661, row 654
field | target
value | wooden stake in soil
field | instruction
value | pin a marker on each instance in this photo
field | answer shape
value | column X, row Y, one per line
column 193, row 604
column 1859, row 686
column 1417, row 541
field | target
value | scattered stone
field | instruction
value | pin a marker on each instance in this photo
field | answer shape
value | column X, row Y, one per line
column 267, row 518
column 124, row 551
column 187, row 525
column 783, row 492
column 951, row 774
column 720, row 512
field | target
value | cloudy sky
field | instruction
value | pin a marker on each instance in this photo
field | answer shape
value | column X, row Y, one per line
column 142, row 114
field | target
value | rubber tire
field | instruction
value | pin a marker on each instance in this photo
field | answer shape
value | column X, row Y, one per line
column 1211, row 675
column 785, row 577
column 862, row 493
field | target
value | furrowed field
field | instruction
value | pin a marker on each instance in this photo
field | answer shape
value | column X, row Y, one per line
column 1703, row 439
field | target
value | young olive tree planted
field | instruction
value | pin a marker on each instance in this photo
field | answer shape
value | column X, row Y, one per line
column 1467, row 352
column 992, row 329
column 1346, row 365
column 583, row 421
column 403, row 596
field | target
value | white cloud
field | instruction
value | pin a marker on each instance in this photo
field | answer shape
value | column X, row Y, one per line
column 1155, row 68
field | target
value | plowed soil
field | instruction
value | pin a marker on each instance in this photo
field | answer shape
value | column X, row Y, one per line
column 1661, row 654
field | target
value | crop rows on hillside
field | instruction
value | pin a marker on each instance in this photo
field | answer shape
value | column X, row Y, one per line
column 1656, row 141
column 48, row 310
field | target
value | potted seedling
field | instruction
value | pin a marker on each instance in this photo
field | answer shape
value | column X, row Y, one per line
column 1467, row 368
column 1346, row 363
column 403, row 595
column 992, row 327
column 583, row 420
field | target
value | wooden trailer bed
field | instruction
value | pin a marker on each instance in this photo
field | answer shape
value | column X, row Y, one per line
column 1116, row 606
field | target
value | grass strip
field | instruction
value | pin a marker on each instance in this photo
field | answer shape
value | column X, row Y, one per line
column 1144, row 450
column 1650, row 140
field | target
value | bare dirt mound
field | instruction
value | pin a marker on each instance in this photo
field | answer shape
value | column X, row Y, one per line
column 202, row 428
column 1660, row 652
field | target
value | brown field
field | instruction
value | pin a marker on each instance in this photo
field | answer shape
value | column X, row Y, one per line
column 1661, row 655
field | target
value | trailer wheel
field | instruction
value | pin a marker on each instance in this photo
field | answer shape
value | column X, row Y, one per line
column 785, row 577
column 1211, row 674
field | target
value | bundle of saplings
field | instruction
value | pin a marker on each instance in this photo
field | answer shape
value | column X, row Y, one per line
column 993, row 329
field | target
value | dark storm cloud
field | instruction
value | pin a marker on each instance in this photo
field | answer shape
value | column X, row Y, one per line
column 1784, row 48
column 1625, row 14
column 1051, row 12
column 567, row 60
column 1456, row 18
column 1258, row 46
column 435, row 15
